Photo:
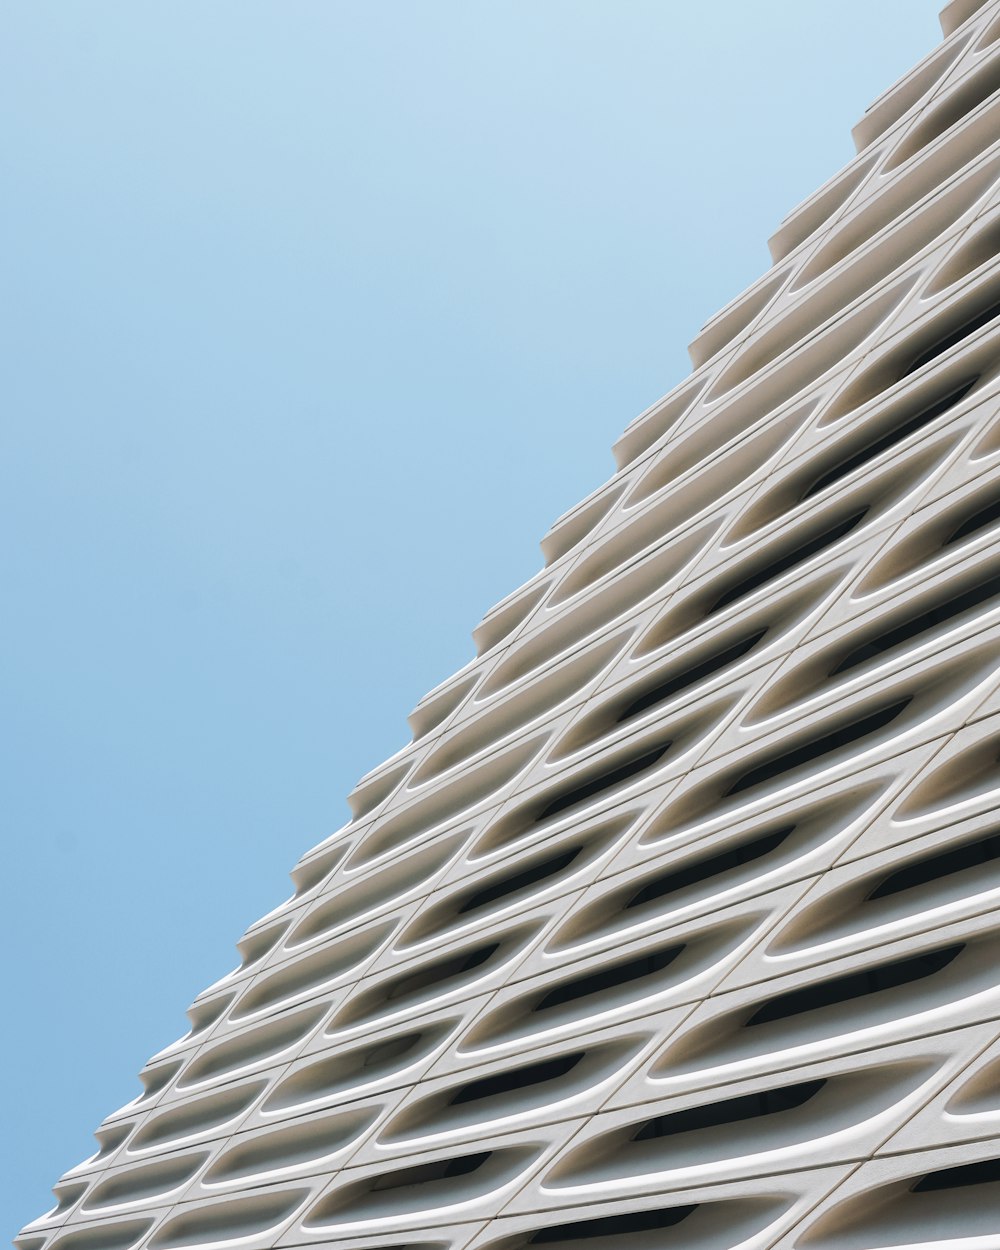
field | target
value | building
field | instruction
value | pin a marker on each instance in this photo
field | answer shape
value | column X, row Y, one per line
column 676, row 925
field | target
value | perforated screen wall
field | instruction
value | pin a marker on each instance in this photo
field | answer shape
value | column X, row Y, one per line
column 676, row 924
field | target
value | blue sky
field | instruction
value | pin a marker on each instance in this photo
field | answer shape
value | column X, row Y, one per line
column 315, row 316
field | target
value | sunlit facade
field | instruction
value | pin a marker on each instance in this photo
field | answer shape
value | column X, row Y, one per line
column 676, row 924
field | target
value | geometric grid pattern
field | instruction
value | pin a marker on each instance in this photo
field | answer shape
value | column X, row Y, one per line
column 676, row 924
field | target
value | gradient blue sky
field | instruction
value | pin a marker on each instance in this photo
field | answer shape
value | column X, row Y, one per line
column 315, row 315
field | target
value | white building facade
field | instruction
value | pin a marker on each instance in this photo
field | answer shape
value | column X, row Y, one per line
column 677, row 924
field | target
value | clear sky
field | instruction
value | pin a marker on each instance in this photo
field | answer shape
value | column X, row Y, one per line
column 315, row 315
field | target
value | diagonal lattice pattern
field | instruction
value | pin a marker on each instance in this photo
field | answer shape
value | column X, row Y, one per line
column 676, row 924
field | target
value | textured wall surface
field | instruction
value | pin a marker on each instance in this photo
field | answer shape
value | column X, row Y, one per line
column 676, row 924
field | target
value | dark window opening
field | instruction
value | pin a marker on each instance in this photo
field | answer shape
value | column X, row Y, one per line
column 973, row 524
column 530, row 876
column 954, row 337
column 612, row 1225
column 423, row 1173
column 929, row 619
column 339, row 1071
column 854, row 985
column 704, row 869
column 787, row 561
column 715, row 662
column 895, row 435
column 986, row 1172
column 811, row 751
column 389, row 1051
column 729, row 1111
column 516, row 1078
column 609, row 978
column 443, row 970
column 934, row 867
column 604, row 781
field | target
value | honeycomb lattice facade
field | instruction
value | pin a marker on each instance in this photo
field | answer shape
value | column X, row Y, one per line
column 676, row 924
